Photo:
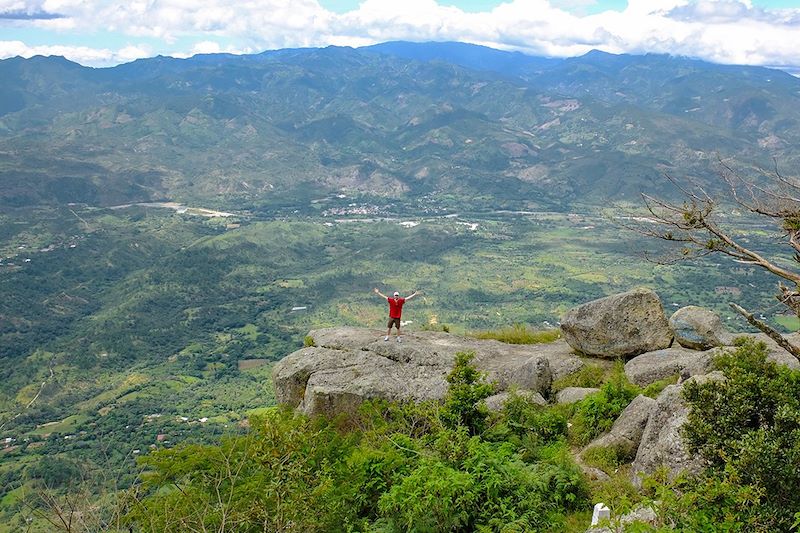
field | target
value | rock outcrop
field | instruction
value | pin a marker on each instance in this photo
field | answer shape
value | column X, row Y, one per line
column 652, row 366
column 496, row 402
column 626, row 433
column 621, row 325
column 349, row 365
column 698, row 328
column 662, row 442
column 574, row 394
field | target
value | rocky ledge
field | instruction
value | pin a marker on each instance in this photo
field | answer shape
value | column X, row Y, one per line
column 348, row 365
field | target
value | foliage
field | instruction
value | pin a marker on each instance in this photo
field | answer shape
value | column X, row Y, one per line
column 463, row 404
column 589, row 375
column 596, row 413
column 285, row 475
column 608, row 458
column 748, row 428
column 520, row 334
column 654, row 389
column 398, row 467
column 308, row 341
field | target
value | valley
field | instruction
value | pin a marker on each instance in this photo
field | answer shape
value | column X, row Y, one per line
column 171, row 228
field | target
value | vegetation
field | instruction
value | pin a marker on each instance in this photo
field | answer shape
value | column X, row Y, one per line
column 520, row 334
column 405, row 467
column 596, row 413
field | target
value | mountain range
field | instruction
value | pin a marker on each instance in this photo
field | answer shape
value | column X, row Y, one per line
column 392, row 121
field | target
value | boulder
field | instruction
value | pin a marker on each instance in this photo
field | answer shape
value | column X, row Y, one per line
column 496, row 402
column 697, row 328
column 349, row 365
column 662, row 442
column 626, row 433
column 561, row 357
column 621, row 325
column 641, row 515
column 574, row 394
column 653, row 366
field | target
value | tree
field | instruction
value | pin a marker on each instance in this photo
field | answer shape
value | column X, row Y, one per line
column 699, row 225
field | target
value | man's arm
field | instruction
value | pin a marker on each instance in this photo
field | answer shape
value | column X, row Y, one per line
column 376, row 291
column 412, row 295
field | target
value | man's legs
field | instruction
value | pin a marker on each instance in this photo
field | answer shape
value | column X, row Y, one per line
column 398, row 331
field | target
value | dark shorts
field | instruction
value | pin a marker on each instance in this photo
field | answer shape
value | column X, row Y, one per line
column 393, row 321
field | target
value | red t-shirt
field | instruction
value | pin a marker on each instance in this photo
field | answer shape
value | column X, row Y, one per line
column 395, row 307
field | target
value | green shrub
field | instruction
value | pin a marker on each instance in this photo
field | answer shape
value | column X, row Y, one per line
column 521, row 416
column 432, row 497
column 308, row 341
column 596, row 413
column 748, row 428
column 520, row 334
column 463, row 404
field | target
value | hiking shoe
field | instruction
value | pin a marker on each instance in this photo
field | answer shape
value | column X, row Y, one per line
column 386, row 338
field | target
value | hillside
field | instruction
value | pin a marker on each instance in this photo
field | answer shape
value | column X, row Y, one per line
column 397, row 121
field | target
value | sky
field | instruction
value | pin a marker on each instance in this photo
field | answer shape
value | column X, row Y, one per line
column 109, row 32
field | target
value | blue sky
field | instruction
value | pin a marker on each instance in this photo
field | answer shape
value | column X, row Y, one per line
column 107, row 32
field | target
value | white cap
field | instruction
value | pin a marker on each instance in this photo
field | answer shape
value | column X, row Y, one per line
column 396, row 293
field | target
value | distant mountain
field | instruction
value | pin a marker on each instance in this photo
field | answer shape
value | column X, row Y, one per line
column 398, row 120
column 470, row 56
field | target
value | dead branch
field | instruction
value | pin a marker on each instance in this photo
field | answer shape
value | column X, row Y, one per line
column 773, row 334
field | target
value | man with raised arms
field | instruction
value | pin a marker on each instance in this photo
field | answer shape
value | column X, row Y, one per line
column 395, row 311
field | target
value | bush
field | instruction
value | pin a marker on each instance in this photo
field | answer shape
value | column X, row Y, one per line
column 394, row 467
column 308, row 341
column 596, row 413
column 748, row 428
column 463, row 404
column 522, row 417
column 608, row 458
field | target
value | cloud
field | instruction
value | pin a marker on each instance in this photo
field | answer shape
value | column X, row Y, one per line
column 729, row 31
column 80, row 54
column 29, row 15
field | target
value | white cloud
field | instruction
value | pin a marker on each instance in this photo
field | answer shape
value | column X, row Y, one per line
column 716, row 30
column 80, row 54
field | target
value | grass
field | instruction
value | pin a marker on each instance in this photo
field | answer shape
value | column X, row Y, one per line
column 655, row 388
column 64, row 426
column 591, row 375
column 520, row 334
column 790, row 323
column 608, row 458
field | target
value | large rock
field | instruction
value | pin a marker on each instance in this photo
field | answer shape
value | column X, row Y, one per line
column 349, row 365
column 496, row 402
column 621, row 325
column 626, row 433
column 662, row 441
column 652, row 366
column 697, row 328
column 574, row 394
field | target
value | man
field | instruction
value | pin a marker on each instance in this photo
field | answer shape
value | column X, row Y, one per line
column 395, row 311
